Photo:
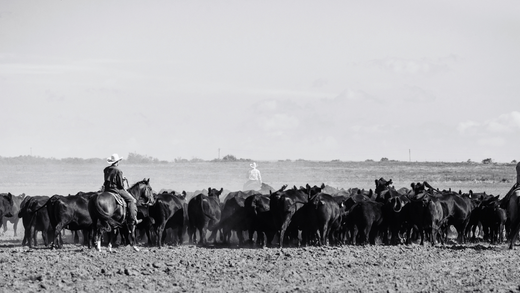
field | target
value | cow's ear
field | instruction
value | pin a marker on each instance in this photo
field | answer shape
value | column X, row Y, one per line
column 390, row 182
column 221, row 189
column 322, row 185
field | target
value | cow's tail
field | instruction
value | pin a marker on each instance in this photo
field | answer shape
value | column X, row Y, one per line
column 50, row 201
column 209, row 215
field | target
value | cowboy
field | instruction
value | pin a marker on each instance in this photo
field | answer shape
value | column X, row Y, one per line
column 114, row 182
column 254, row 177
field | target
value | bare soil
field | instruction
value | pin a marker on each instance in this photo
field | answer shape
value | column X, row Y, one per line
column 187, row 268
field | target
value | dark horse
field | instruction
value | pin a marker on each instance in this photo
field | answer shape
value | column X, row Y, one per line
column 108, row 215
column 511, row 203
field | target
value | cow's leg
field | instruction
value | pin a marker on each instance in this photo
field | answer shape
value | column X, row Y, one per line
column 285, row 225
column 202, row 232
column 32, row 239
column 160, row 232
column 57, row 235
column 15, row 226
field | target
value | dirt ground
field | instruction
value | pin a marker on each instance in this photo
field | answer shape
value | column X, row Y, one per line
column 187, row 268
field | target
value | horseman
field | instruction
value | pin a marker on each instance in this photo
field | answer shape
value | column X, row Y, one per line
column 114, row 182
column 254, row 177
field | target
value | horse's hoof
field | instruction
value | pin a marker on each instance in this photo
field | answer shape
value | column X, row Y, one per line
column 135, row 248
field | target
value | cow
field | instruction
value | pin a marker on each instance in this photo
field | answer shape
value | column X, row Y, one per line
column 367, row 217
column 35, row 219
column 287, row 208
column 234, row 217
column 146, row 225
column 262, row 222
column 395, row 212
column 6, row 205
column 426, row 215
column 169, row 212
column 70, row 212
column 323, row 216
column 492, row 218
column 381, row 185
column 457, row 210
column 204, row 214
column 14, row 219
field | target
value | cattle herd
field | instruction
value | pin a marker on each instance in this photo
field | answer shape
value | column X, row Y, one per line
column 288, row 216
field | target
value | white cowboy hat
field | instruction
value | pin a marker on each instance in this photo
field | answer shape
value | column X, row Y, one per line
column 252, row 165
column 114, row 159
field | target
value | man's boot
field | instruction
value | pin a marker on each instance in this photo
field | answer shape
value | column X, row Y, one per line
column 133, row 213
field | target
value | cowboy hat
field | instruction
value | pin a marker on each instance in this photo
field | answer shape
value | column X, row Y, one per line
column 252, row 165
column 114, row 159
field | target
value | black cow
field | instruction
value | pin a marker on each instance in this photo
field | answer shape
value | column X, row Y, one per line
column 234, row 217
column 204, row 214
column 426, row 216
column 70, row 212
column 367, row 217
column 146, row 225
column 34, row 219
column 6, row 206
column 287, row 208
column 381, row 185
column 395, row 212
column 169, row 212
column 17, row 200
column 492, row 218
column 262, row 222
column 324, row 216
column 457, row 210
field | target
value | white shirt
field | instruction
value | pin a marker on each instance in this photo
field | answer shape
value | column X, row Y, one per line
column 254, row 174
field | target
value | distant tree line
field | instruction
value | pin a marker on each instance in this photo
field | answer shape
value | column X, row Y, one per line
column 135, row 158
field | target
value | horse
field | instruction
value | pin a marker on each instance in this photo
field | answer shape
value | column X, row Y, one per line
column 511, row 203
column 108, row 215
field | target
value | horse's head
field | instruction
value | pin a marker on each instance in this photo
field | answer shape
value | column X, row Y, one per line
column 143, row 193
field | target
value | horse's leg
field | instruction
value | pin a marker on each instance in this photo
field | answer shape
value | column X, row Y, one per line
column 110, row 239
column 97, row 239
column 131, row 236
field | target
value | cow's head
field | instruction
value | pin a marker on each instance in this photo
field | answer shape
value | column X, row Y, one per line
column 6, row 205
column 382, row 184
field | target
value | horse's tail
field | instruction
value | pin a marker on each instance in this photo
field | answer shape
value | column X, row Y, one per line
column 103, row 215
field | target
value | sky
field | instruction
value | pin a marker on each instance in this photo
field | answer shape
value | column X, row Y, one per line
column 262, row 80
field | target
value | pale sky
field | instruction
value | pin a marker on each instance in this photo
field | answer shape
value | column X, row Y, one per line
column 265, row 80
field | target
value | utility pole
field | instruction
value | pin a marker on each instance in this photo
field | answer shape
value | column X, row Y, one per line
column 409, row 155
column 218, row 154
